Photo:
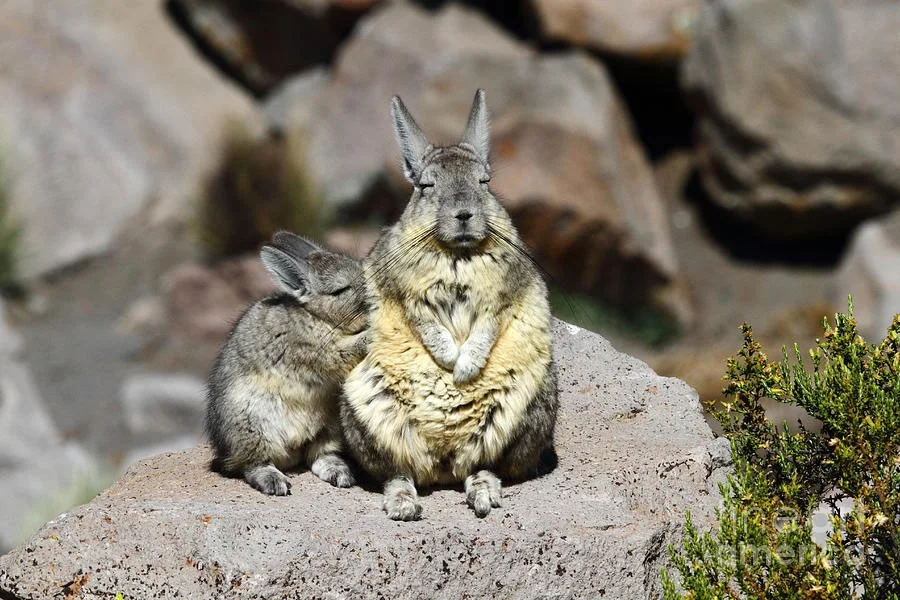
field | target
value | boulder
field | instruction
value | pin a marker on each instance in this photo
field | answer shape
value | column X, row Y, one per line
column 36, row 462
column 163, row 412
column 168, row 445
column 642, row 29
column 634, row 454
column 799, row 111
column 870, row 272
column 163, row 405
column 355, row 242
column 203, row 302
column 291, row 106
column 105, row 112
column 262, row 43
column 394, row 51
column 566, row 160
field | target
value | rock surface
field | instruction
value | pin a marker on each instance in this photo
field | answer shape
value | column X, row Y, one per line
column 566, row 161
column 163, row 412
column 355, row 242
column 799, row 107
column 163, row 404
column 36, row 462
column 870, row 272
column 637, row 28
column 290, row 106
column 262, row 43
column 104, row 110
column 634, row 454
column 203, row 302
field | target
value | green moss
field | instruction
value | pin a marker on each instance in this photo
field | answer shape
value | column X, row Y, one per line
column 81, row 490
column 763, row 546
column 257, row 187
column 10, row 240
column 646, row 325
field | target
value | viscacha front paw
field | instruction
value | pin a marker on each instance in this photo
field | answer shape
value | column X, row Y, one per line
column 269, row 480
column 332, row 469
column 465, row 369
column 401, row 501
column 403, row 508
column 483, row 491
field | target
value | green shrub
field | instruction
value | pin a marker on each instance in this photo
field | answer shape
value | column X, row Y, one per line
column 257, row 187
column 10, row 240
column 763, row 546
column 643, row 324
column 81, row 489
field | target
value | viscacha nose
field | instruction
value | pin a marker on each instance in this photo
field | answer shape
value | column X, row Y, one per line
column 463, row 215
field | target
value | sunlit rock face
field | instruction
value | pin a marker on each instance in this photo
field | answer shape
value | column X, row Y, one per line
column 634, row 454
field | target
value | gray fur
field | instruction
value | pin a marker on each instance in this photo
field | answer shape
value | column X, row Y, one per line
column 452, row 203
column 473, row 353
column 272, row 394
column 477, row 134
column 333, row 469
column 359, row 442
column 438, row 340
column 291, row 274
column 532, row 454
column 413, row 144
column 294, row 245
column 267, row 479
column 483, row 491
column 401, row 501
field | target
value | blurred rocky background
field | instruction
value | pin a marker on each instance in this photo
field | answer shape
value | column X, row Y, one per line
column 677, row 167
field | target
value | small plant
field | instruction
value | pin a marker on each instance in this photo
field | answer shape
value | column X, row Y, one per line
column 764, row 545
column 10, row 240
column 257, row 188
column 644, row 324
column 80, row 489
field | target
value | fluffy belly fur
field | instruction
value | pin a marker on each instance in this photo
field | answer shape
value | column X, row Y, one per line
column 290, row 413
column 432, row 428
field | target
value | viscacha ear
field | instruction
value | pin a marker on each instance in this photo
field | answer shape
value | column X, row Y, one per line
column 292, row 274
column 477, row 132
column 413, row 143
column 293, row 244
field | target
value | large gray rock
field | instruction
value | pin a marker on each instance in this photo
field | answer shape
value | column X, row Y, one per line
column 203, row 302
column 644, row 29
column 799, row 110
column 163, row 404
column 291, row 106
column 105, row 111
column 163, row 412
column 870, row 272
column 566, row 161
column 36, row 462
column 397, row 50
column 634, row 454
column 262, row 43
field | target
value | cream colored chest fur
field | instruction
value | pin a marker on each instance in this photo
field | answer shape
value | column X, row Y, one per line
column 434, row 429
column 455, row 292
